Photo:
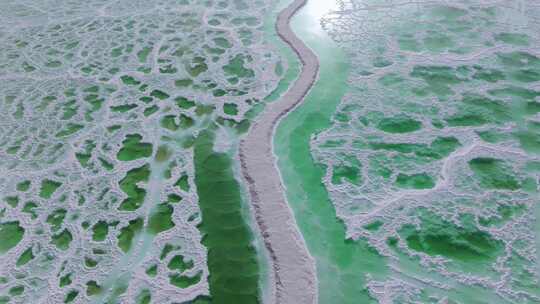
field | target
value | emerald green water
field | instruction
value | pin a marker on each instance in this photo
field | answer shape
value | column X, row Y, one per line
column 341, row 264
column 134, row 149
column 11, row 233
column 232, row 258
column 439, row 237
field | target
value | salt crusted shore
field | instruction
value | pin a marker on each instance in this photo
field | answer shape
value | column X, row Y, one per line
column 293, row 276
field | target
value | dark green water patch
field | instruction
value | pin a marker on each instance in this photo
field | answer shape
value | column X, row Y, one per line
column 16, row 290
column 182, row 281
column 83, row 158
column 373, row 226
column 201, row 109
column 100, row 231
column 150, row 110
column 515, row 93
column 135, row 194
column 505, row 212
column 143, row 54
column 152, row 270
column 178, row 263
column 439, row 79
column 128, row 233
column 161, row 219
column 23, row 186
column 466, row 120
column 222, row 42
column 62, row 240
column 129, row 80
column 491, row 136
column 497, row 110
column 29, row 207
column 197, row 67
column 477, row 110
column 513, row 38
column 442, row 147
column 333, row 143
column 70, row 129
column 146, row 99
column 11, row 233
column 13, row 201
column 183, row 183
column 439, row 237
column 532, row 107
column 184, row 103
column 56, row 219
column 169, row 122
column 159, row 94
column 438, row 149
column 236, row 67
column 65, row 280
column 183, row 83
column 399, row 124
column 349, row 173
column 186, row 122
column 168, row 248
column 71, row 296
column 133, row 148
column 230, row 109
column 518, row 59
column 200, row 300
column 25, row 257
column 232, row 259
column 494, row 173
column 174, row 198
column 89, row 262
column 415, row 181
column 48, row 187
column 123, row 108
column 144, row 297
column 526, row 75
column 93, row 288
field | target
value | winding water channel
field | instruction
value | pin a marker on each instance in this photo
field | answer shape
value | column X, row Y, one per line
column 341, row 264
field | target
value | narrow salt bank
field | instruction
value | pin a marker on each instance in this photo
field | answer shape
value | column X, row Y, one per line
column 292, row 267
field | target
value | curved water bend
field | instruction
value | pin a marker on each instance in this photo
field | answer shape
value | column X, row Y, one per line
column 294, row 278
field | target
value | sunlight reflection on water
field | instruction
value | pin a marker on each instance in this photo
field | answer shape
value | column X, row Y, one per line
column 314, row 11
column 319, row 8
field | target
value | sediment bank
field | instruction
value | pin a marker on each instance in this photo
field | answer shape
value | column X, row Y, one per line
column 294, row 278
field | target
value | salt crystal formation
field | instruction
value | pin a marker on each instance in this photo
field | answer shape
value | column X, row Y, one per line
column 434, row 153
column 100, row 103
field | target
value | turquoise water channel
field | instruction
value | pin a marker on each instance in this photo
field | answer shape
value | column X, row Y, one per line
column 341, row 264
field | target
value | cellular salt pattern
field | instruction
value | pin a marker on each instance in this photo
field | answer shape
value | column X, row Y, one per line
column 101, row 104
column 432, row 154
